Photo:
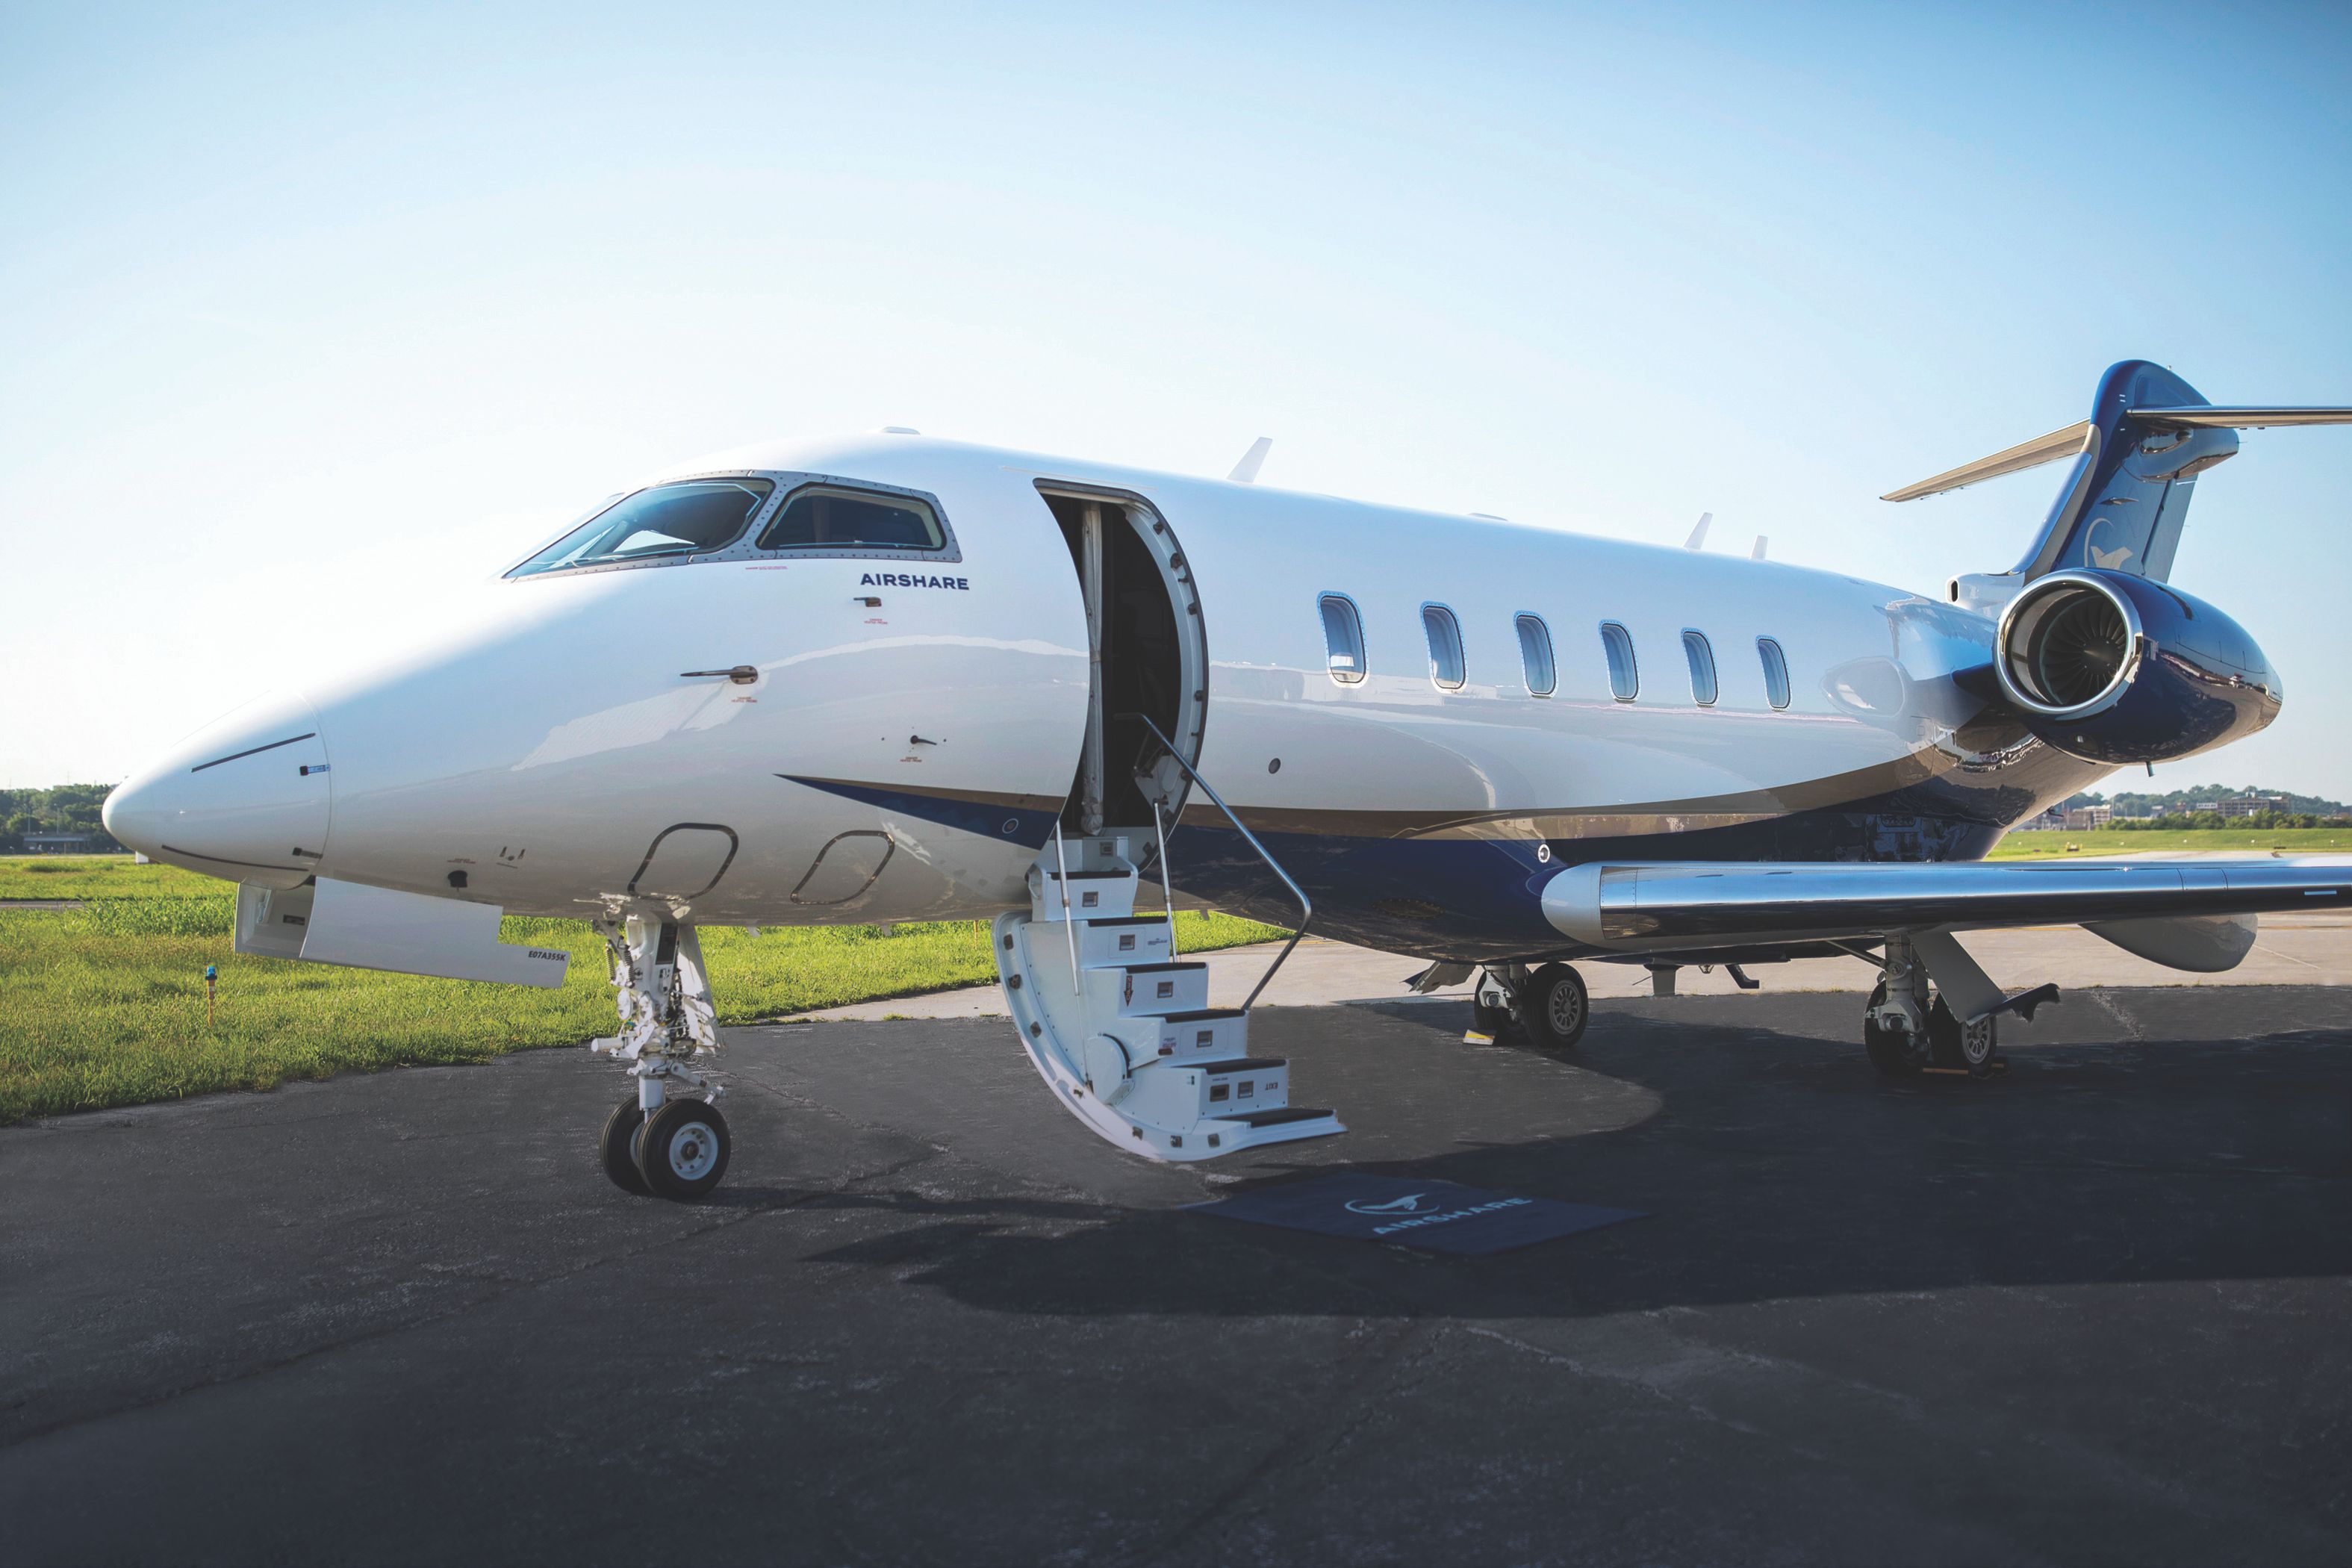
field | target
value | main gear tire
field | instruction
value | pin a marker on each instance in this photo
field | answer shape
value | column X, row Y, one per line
column 1964, row 1047
column 1556, row 1008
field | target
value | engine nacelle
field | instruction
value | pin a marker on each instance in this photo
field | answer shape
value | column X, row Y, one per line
column 2111, row 667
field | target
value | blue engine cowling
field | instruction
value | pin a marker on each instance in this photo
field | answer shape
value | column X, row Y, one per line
column 2111, row 667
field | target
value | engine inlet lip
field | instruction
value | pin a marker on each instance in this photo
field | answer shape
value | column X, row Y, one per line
column 2038, row 597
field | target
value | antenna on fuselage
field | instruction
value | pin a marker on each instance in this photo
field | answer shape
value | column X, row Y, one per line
column 1697, row 540
column 1245, row 471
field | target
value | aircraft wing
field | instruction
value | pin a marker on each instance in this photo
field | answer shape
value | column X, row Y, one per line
column 1656, row 906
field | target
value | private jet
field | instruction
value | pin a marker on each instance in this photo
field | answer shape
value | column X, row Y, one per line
column 889, row 677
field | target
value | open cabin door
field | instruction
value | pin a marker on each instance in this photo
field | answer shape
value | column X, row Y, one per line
column 1148, row 657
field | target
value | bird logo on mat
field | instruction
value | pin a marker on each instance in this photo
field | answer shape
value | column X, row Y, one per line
column 1412, row 1202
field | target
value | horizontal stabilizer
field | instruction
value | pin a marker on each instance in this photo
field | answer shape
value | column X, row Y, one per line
column 2212, row 418
column 2070, row 442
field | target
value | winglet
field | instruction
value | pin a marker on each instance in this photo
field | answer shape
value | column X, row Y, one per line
column 1697, row 540
column 1245, row 471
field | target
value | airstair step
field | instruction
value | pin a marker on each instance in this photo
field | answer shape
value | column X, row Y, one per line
column 1119, row 942
column 1100, row 890
column 1240, row 1063
column 1149, row 990
column 1200, row 1035
column 1288, row 1113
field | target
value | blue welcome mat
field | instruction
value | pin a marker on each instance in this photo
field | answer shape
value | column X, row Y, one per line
column 1437, row 1216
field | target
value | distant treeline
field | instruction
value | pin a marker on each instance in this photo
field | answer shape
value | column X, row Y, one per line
column 68, row 808
column 2180, row 821
column 2127, row 804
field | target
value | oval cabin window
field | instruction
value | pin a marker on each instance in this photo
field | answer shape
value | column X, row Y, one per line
column 1343, row 639
column 1776, row 672
column 1702, row 667
column 1445, row 666
column 1625, row 679
column 1535, row 657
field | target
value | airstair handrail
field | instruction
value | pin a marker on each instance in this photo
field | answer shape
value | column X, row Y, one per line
column 1306, row 906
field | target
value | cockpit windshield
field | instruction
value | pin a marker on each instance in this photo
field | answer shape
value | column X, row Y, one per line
column 690, row 517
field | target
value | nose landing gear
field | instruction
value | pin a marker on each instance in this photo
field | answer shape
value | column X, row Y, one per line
column 652, row 1144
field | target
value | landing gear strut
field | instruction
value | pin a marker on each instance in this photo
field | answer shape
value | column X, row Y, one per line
column 1906, row 1031
column 652, row 1143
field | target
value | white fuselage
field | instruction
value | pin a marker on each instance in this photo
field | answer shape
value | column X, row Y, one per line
column 557, row 758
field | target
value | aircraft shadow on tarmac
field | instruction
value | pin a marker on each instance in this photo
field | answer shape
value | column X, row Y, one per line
column 1773, row 1165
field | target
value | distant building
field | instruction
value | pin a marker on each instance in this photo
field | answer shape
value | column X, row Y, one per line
column 2051, row 821
column 2253, row 805
column 59, row 843
column 2084, row 817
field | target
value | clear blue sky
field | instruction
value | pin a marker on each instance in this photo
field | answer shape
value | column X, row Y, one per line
column 311, row 313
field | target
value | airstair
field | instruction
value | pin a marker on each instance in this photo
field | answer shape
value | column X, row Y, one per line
column 1118, row 1022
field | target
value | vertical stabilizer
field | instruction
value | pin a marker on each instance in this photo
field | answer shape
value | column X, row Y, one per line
column 2126, row 493
column 2131, row 469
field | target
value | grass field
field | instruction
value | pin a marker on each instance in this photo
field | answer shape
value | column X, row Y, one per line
column 2040, row 846
column 105, row 1004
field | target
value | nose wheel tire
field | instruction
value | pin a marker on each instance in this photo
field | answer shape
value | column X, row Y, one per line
column 682, row 1148
column 617, row 1147
column 1555, row 1006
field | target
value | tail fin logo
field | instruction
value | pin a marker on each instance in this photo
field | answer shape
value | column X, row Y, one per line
column 2110, row 560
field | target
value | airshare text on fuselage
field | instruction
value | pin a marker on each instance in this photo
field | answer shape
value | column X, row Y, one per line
column 911, row 580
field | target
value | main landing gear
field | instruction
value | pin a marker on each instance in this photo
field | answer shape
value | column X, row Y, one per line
column 1908, row 1032
column 652, row 1145
column 1549, row 1003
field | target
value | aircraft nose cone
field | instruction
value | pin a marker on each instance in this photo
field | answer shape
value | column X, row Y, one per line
column 243, row 798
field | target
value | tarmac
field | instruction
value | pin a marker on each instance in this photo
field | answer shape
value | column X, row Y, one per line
column 2091, row 1311
column 2296, row 949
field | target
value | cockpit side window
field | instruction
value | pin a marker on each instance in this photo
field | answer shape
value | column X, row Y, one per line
column 691, row 517
column 820, row 518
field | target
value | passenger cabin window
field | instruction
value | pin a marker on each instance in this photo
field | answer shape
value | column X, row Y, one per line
column 1776, row 672
column 1624, row 681
column 820, row 518
column 689, row 517
column 1343, row 640
column 1444, row 645
column 1535, row 656
column 1702, row 667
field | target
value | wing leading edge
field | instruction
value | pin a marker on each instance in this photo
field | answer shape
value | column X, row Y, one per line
column 1664, row 905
